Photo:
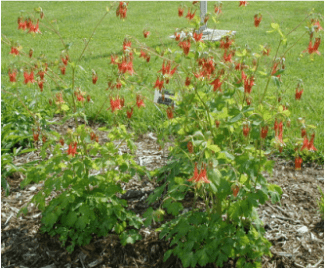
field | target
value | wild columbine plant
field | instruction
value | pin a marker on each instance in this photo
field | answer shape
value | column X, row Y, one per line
column 219, row 153
column 85, row 180
column 84, row 176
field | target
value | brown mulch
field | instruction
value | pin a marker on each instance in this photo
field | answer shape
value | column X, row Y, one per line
column 294, row 228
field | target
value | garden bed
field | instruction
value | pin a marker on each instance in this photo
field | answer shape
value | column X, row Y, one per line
column 294, row 228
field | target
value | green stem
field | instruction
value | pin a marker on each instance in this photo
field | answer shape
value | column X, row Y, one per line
column 294, row 44
column 268, row 81
column 92, row 35
column 207, row 110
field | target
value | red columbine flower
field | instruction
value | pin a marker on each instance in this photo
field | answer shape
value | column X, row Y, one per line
column 40, row 84
column 140, row 102
column 185, row 45
column 228, row 57
column 12, row 76
column 235, row 190
column 170, row 113
column 226, row 44
column 274, row 68
column 144, row 55
column 64, row 60
column 121, row 10
column 310, row 48
column 180, row 11
column 237, row 66
column 257, row 20
column 305, row 143
column 278, row 127
column 34, row 28
column 266, row 51
column 115, row 104
column 21, row 24
column 264, row 131
column 31, row 53
column 62, row 70
column 28, row 23
column 298, row 162
column 217, row 10
column 126, row 45
column 216, row 84
column 245, row 130
column 248, row 101
column 44, row 139
column 309, row 145
column 199, row 177
column 72, row 150
column 206, row 18
column 29, row 77
column 203, row 175
column 190, row 15
column 198, row 37
column 41, row 74
column 146, row 33
column 316, row 25
column 243, row 3
column 248, row 84
column 217, row 123
column 303, row 132
column 177, row 36
column 165, row 70
column 113, row 59
column 126, row 66
column 316, row 45
column 129, row 113
column 313, row 48
column 14, row 51
column 187, row 81
column 35, row 136
column 159, row 84
column 92, row 136
column 59, row 98
column 299, row 93
column 80, row 98
column 61, row 141
column 95, row 77
column 190, row 147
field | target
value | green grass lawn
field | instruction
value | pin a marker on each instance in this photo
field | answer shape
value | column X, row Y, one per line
column 76, row 20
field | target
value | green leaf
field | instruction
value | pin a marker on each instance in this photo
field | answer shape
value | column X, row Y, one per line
column 130, row 237
column 64, row 107
column 236, row 118
column 202, row 257
column 167, row 254
column 221, row 259
column 275, row 26
column 172, row 207
column 70, row 219
column 226, row 154
column 214, row 148
column 275, row 192
column 148, row 216
column 187, row 259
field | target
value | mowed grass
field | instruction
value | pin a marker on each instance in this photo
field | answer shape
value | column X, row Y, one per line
column 76, row 20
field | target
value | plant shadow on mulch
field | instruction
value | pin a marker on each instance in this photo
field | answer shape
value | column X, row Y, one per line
column 295, row 228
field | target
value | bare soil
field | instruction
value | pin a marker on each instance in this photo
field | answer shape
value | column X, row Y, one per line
column 294, row 228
